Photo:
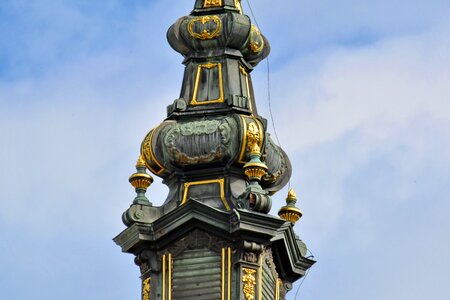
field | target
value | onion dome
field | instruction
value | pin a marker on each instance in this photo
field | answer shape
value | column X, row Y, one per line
column 206, row 147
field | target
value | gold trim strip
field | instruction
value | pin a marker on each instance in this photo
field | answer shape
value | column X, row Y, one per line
column 169, row 265
column 164, row 277
column 197, row 82
column 220, row 181
column 229, row 273
column 244, row 140
column 260, row 276
column 223, row 273
column 152, row 155
column 277, row 289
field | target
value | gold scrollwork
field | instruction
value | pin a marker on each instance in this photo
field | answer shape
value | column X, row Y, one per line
column 245, row 145
column 147, row 152
column 249, row 280
column 212, row 3
column 205, row 34
column 197, row 83
column 256, row 40
column 146, row 289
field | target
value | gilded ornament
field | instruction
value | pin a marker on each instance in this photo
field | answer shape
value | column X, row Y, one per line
column 256, row 40
column 212, row 3
column 290, row 212
column 205, row 34
column 253, row 138
column 141, row 181
column 237, row 4
column 249, row 280
column 140, row 162
column 146, row 289
column 147, row 154
column 292, row 195
column 246, row 120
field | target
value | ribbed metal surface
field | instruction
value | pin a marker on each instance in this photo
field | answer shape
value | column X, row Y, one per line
column 268, row 284
column 197, row 275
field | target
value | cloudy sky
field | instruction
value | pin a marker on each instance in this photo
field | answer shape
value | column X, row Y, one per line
column 361, row 101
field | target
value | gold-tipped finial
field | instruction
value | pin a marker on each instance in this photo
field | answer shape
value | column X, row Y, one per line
column 140, row 162
column 141, row 181
column 292, row 195
column 290, row 212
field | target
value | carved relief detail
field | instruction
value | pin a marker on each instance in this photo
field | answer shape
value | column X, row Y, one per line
column 142, row 260
column 268, row 257
column 198, row 239
column 250, row 257
column 198, row 142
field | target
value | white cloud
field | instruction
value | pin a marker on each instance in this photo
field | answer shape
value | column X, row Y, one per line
column 369, row 133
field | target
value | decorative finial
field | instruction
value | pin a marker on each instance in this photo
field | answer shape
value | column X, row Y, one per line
column 140, row 162
column 256, row 198
column 292, row 195
column 255, row 169
column 141, row 181
column 290, row 212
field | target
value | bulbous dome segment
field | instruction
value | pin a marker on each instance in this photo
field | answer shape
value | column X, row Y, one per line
column 214, row 35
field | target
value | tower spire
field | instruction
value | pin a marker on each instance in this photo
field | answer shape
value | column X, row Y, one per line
column 213, row 237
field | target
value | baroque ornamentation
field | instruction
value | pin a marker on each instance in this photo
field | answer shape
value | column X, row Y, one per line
column 146, row 289
column 256, row 40
column 212, row 3
column 250, row 257
column 198, row 239
column 148, row 155
column 198, row 142
column 249, row 280
column 253, row 138
column 268, row 258
column 198, row 28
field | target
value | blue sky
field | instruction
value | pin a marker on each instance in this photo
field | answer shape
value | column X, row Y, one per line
column 361, row 100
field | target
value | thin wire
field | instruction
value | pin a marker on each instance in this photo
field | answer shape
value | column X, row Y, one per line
column 300, row 285
column 269, row 98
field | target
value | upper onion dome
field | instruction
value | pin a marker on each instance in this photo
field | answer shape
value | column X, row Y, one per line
column 217, row 29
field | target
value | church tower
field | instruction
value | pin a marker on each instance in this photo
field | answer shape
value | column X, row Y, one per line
column 213, row 238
